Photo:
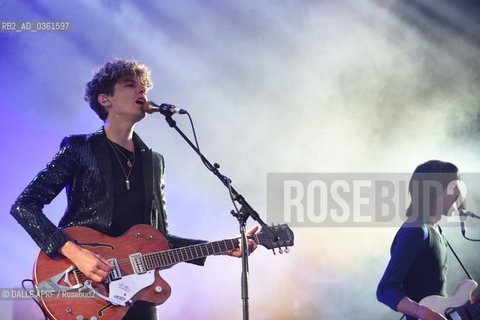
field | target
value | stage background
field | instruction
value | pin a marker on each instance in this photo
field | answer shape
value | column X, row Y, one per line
column 273, row 86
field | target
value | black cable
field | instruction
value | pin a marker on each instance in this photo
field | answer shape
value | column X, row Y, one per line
column 33, row 298
column 205, row 163
column 456, row 256
column 193, row 129
column 249, row 211
column 229, row 186
column 467, row 214
column 459, row 261
column 469, row 239
column 465, row 236
column 232, row 196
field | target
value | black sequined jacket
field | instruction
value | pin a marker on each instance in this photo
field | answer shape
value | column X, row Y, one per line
column 82, row 166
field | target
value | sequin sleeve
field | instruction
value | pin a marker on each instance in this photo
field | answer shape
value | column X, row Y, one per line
column 28, row 208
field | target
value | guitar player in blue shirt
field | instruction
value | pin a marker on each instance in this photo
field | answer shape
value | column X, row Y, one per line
column 418, row 263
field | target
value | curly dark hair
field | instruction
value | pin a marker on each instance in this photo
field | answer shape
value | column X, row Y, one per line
column 108, row 75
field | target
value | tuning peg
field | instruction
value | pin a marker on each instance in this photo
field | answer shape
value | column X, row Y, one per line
column 273, row 251
column 280, row 250
column 287, row 250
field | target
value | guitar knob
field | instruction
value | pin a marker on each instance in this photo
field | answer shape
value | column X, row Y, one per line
column 158, row 289
column 287, row 250
column 93, row 318
column 80, row 317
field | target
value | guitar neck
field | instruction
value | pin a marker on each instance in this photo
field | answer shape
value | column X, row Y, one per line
column 163, row 259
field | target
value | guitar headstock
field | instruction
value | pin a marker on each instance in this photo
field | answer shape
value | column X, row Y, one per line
column 284, row 238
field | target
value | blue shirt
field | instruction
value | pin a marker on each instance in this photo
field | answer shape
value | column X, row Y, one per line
column 417, row 267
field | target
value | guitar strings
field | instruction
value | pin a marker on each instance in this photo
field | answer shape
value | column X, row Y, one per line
column 173, row 256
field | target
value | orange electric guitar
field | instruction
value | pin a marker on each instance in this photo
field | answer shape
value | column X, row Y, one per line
column 64, row 292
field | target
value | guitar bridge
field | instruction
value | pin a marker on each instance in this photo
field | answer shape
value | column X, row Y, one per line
column 136, row 259
column 53, row 285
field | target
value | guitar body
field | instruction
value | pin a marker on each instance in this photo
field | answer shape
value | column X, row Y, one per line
column 148, row 286
column 67, row 294
column 458, row 306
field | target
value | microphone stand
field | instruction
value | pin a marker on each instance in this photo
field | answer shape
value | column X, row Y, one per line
column 242, row 215
column 467, row 214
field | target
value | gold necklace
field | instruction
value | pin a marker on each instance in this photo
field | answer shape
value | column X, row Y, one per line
column 130, row 164
column 129, row 161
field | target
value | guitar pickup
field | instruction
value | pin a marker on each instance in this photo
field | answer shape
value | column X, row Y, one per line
column 136, row 259
column 115, row 274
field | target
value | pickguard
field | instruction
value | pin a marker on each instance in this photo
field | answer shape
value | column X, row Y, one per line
column 126, row 287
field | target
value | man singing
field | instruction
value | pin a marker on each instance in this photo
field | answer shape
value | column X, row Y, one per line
column 113, row 180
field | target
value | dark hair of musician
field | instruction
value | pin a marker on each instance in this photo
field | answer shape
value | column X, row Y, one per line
column 108, row 75
column 427, row 184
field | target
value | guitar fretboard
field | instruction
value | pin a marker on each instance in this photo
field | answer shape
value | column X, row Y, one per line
column 170, row 257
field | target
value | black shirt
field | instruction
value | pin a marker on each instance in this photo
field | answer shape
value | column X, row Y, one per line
column 128, row 205
column 128, row 209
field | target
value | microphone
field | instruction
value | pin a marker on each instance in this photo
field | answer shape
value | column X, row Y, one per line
column 164, row 108
column 468, row 214
column 462, row 210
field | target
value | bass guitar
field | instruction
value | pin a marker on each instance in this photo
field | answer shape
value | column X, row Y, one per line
column 138, row 255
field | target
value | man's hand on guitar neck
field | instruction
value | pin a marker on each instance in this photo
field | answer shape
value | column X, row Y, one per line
column 252, row 245
column 91, row 264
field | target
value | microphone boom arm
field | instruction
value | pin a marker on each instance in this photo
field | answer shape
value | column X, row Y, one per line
column 242, row 215
column 247, row 208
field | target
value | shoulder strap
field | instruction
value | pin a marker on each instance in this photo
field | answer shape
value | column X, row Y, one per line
column 455, row 254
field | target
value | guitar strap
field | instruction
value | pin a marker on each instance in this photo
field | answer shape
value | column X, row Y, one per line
column 455, row 254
